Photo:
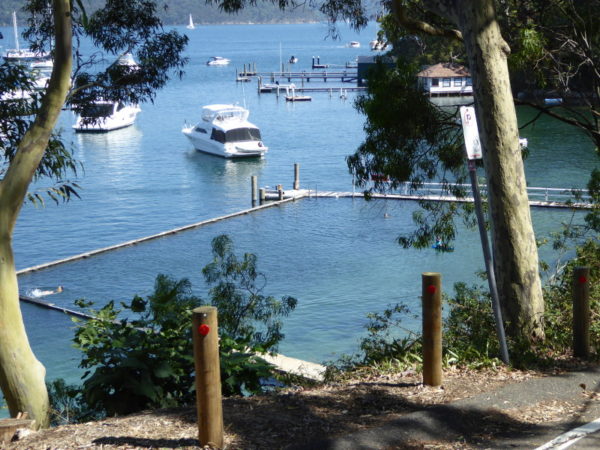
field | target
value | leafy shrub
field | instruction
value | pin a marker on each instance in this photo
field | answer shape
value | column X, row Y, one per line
column 143, row 362
column 249, row 322
column 244, row 313
column 145, row 359
column 68, row 405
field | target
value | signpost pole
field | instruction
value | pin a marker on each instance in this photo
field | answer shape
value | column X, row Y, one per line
column 473, row 147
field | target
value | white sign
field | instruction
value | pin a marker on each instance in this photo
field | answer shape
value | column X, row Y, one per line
column 470, row 131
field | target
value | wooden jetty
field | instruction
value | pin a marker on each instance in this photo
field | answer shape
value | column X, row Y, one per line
column 343, row 76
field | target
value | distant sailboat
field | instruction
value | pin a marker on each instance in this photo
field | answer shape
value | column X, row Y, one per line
column 19, row 54
column 191, row 24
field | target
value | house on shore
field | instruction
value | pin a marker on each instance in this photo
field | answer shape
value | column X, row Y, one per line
column 446, row 79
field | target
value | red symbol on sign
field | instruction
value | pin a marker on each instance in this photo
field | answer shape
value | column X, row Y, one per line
column 431, row 289
column 582, row 279
column 203, row 329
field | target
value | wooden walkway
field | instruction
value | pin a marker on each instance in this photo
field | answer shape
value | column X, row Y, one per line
column 538, row 197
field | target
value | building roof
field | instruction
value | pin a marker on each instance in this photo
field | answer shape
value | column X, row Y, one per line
column 444, row 70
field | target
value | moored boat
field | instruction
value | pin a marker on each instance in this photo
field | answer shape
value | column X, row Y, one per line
column 23, row 55
column 102, row 116
column 224, row 130
column 217, row 61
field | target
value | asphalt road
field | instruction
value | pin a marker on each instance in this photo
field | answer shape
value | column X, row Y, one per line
column 497, row 420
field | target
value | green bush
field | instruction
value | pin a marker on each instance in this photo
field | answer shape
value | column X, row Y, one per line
column 144, row 360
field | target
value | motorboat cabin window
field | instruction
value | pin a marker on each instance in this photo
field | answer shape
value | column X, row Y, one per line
column 458, row 82
column 200, row 130
column 120, row 106
column 435, row 82
column 97, row 110
column 243, row 134
column 446, row 82
column 218, row 135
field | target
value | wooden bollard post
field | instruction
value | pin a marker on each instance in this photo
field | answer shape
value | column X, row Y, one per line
column 280, row 191
column 208, row 376
column 432, row 328
column 581, row 312
column 262, row 195
column 296, row 176
column 254, row 182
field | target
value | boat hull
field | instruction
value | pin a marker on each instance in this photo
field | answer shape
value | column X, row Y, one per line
column 230, row 150
column 122, row 119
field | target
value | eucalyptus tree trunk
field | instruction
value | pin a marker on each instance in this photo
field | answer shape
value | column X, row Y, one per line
column 21, row 374
column 514, row 246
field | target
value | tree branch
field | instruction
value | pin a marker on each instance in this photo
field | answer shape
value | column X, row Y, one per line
column 13, row 188
column 420, row 27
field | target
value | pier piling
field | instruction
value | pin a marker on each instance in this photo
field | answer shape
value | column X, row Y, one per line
column 296, row 176
column 262, row 195
column 254, row 183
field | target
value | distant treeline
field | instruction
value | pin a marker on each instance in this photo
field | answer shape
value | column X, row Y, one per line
column 176, row 12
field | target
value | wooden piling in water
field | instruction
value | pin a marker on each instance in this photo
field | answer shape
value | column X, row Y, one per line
column 296, row 176
column 280, row 191
column 581, row 312
column 432, row 328
column 262, row 195
column 254, row 183
column 208, row 376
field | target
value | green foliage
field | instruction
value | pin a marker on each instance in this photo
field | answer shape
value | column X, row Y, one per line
column 383, row 342
column 16, row 116
column 68, row 404
column 469, row 327
column 411, row 140
column 245, row 314
column 143, row 362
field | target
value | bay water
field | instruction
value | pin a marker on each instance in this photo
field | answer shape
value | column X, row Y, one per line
column 339, row 257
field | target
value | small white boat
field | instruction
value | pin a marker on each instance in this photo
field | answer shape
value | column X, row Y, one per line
column 292, row 97
column 276, row 87
column 102, row 116
column 19, row 54
column 190, row 25
column 127, row 60
column 224, row 131
column 293, row 60
column 354, row 44
column 42, row 64
column 217, row 61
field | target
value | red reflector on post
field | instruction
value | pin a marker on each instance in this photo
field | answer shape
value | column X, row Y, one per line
column 203, row 329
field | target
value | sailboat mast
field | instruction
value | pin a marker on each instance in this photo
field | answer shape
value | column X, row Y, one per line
column 16, row 31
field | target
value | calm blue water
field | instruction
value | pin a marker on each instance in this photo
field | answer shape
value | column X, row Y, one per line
column 338, row 257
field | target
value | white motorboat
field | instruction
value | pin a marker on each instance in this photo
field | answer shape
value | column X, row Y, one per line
column 224, row 130
column 23, row 55
column 217, row 61
column 190, row 25
column 104, row 116
column 127, row 59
